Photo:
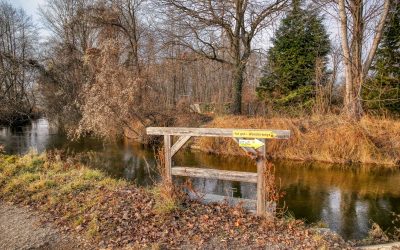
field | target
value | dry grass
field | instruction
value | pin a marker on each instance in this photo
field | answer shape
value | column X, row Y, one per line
column 35, row 178
column 320, row 138
column 166, row 195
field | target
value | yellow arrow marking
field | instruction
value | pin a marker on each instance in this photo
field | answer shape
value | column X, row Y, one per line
column 250, row 143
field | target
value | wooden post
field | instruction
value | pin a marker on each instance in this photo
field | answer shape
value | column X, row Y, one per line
column 168, row 158
column 261, row 196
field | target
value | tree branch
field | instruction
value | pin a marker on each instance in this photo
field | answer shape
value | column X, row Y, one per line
column 377, row 38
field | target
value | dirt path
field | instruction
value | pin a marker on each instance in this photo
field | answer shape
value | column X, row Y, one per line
column 21, row 228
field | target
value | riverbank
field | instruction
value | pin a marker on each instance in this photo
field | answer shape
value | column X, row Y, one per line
column 116, row 214
column 320, row 138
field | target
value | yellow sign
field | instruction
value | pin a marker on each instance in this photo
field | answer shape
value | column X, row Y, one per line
column 250, row 143
column 254, row 134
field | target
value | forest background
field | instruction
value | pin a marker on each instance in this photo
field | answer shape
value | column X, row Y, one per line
column 111, row 68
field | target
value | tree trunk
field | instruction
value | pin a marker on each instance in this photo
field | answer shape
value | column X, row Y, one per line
column 352, row 103
column 352, row 60
column 356, row 71
column 240, row 69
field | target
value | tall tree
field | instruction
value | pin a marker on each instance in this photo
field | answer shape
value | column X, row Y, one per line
column 355, row 16
column 210, row 28
column 297, row 59
column 17, row 39
column 124, row 15
column 383, row 90
column 71, row 35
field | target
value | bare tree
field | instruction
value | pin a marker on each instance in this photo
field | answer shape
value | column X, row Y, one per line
column 64, row 73
column 124, row 15
column 222, row 31
column 17, row 37
column 354, row 18
column 66, row 20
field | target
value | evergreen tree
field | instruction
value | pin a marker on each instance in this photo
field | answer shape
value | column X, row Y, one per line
column 290, row 74
column 383, row 91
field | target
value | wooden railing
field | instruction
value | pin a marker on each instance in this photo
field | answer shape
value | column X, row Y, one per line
column 251, row 140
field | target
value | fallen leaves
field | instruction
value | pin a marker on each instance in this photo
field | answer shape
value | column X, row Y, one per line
column 128, row 218
column 120, row 215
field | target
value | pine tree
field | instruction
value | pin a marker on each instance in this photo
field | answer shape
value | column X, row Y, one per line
column 383, row 90
column 290, row 74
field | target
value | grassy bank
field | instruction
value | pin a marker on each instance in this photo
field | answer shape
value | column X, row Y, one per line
column 114, row 213
column 323, row 138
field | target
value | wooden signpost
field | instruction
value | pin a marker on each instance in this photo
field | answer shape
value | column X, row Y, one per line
column 251, row 140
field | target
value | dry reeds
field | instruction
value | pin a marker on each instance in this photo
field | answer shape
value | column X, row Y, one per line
column 273, row 192
column 320, row 138
column 167, row 196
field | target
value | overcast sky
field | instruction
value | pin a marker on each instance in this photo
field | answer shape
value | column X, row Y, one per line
column 30, row 6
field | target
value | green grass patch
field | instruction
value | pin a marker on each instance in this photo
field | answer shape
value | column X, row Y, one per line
column 165, row 199
column 10, row 159
column 93, row 227
column 2, row 179
column 9, row 170
column 41, row 185
column 95, row 175
column 34, row 178
column 18, row 184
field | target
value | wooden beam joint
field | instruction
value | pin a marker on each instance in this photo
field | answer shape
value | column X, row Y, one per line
column 179, row 144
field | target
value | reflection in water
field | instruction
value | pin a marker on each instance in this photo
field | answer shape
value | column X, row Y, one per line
column 346, row 198
column 20, row 139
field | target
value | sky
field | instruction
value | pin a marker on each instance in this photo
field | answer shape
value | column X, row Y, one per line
column 31, row 7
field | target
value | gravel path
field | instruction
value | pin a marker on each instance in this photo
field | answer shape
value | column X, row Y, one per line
column 21, row 228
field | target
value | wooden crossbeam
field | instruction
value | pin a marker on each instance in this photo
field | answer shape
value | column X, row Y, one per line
column 215, row 174
column 210, row 132
column 179, row 143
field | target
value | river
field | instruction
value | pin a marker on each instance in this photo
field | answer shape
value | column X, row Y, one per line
column 345, row 198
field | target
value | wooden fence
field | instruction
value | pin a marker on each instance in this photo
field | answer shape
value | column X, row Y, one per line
column 253, row 141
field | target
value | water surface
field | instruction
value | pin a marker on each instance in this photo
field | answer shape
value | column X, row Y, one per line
column 346, row 198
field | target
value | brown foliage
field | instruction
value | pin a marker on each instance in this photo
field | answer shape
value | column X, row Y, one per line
column 321, row 138
column 273, row 192
column 110, row 98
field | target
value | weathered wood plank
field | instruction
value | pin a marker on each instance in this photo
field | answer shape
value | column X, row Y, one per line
column 210, row 132
column 261, row 195
column 179, row 143
column 247, row 204
column 167, row 159
column 215, row 174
